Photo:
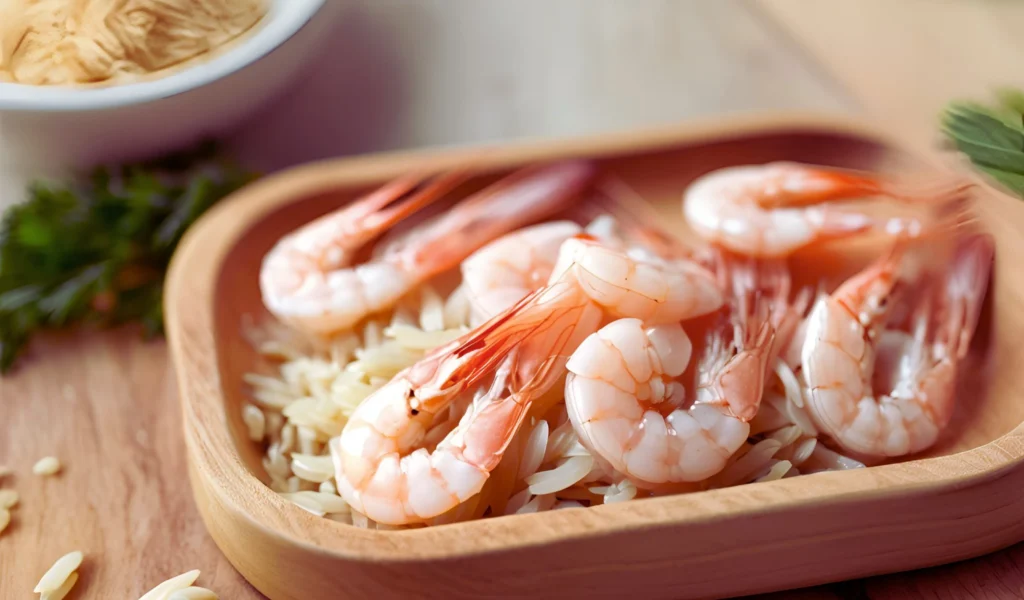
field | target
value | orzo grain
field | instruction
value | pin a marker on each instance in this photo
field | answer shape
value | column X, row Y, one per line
column 174, row 584
column 8, row 498
column 63, row 590
column 49, row 465
column 193, row 593
column 55, row 577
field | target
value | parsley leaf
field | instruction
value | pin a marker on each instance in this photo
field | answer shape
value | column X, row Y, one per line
column 96, row 250
column 991, row 136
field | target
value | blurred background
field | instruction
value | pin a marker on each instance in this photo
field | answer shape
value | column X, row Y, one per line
column 410, row 73
column 413, row 73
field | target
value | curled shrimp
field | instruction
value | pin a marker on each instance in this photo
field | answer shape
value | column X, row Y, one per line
column 625, row 402
column 638, row 284
column 309, row 278
column 509, row 268
column 775, row 209
column 847, row 350
column 504, row 271
column 381, row 468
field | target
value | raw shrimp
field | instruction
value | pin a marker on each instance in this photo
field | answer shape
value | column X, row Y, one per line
column 309, row 280
column 509, row 268
column 847, row 349
column 381, row 468
column 626, row 404
column 772, row 210
column 769, row 281
column 733, row 366
column 638, row 284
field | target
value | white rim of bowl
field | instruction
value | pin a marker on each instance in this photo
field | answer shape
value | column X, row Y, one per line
column 288, row 18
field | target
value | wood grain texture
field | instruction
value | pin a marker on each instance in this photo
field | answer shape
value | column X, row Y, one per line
column 407, row 74
column 105, row 405
column 903, row 61
column 639, row 65
column 958, row 500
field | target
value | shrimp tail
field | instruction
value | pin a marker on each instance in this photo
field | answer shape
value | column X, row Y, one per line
column 322, row 248
column 736, row 359
column 965, row 289
column 519, row 330
column 873, row 285
column 491, row 429
column 803, row 186
column 401, row 198
column 513, row 202
column 742, row 380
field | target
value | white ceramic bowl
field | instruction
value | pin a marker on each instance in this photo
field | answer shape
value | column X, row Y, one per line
column 80, row 127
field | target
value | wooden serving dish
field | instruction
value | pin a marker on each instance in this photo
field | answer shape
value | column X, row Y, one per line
column 962, row 499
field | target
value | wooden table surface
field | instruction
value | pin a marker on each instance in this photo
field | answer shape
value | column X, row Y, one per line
column 405, row 73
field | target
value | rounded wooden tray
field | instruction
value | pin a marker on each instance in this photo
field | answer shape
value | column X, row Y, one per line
column 960, row 500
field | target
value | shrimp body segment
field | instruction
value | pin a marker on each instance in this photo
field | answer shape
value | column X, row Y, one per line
column 309, row 278
column 381, row 466
column 626, row 404
column 509, row 268
column 638, row 284
column 775, row 209
column 504, row 271
column 847, row 350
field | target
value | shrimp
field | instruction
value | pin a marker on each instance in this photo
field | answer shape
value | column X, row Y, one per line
column 768, row 281
column 737, row 355
column 309, row 278
column 847, row 343
column 509, row 268
column 381, row 468
column 776, row 209
column 638, row 284
column 626, row 405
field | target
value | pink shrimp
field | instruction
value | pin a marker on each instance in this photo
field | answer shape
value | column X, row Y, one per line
column 381, row 468
column 309, row 278
column 847, row 350
column 772, row 210
column 627, row 405
column 644, row 287
column 509, row 268
column 734, row 362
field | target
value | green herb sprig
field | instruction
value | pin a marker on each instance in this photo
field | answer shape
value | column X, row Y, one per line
column 992, row 137
column 96, row 251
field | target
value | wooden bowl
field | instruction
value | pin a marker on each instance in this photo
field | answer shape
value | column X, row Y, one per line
column 960, row 500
